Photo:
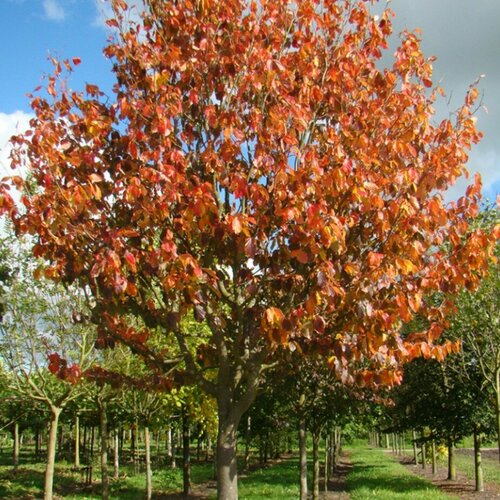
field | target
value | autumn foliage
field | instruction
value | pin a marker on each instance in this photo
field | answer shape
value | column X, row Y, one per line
column 256, row 168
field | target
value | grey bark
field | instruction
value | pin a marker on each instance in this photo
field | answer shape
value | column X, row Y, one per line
column 434, row 462
column 116, row 454
column 452, row 468
column 51, row 453
column 315, row 489
column 103, row 431
column 77, row 441
column 149, row 480
column 303, row 458
column 15, row 452
column 186, row 452
column 478, row 467
column 415, row 451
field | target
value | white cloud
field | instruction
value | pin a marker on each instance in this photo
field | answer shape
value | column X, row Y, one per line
column 53, row 10
column 10, row 124
column 104, row 11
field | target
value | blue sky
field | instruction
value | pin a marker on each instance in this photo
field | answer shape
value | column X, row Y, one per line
column 462, row 33
column 33, row 29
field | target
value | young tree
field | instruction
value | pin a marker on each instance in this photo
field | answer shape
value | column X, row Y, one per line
column 477, row 324
column 257, row 167
column 40, row 324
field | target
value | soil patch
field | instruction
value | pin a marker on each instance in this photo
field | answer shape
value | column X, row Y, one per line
column 337, row 485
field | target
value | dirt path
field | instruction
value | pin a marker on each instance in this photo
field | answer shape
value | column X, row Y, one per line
column 337, row 486
column 463, row 487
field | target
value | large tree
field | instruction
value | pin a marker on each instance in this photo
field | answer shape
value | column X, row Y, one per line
column 256, row 166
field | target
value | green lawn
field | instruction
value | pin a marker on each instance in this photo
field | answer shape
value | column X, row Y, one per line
column 376, row 474
column 278, row 482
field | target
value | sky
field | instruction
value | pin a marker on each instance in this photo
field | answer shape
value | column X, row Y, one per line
column 463, row 34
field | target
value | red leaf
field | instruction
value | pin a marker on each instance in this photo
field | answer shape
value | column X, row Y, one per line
column 76, row 61
column 130, row 261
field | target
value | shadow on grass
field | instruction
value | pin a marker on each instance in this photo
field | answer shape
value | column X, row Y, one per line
column 282, row 473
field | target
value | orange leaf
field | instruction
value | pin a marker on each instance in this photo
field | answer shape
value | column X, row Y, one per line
column 374, row 259
column 301, row 256
column 236, row 225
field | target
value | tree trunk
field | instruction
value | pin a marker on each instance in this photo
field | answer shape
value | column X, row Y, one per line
column 247, row 442
column 415, row 451
column 227, row 474
column 186, row 454
column 452, row 468
column 434, row 462
column 303, row 458
column 103, row 430
column 315, row 488
column 497, row 390
column 15, row 452
column 168, row 445
column 133, row 443
column 327, row 453
column 478, row 467
column 51, row 454
column 135, row 436
column 92, row 442
column 77, row 441
column 147, row 446
column 60, row 443
column 173, row 463
column 116, row 454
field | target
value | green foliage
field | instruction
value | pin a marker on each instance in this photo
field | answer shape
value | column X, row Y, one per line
column 438, row 397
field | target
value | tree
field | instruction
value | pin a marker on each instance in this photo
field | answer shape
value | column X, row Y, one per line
column 444, row 400
column 477, row 323
column 254, row 167
column 42, row 321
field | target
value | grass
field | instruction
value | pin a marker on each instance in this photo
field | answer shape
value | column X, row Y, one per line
column 465, row 464
column 28, row 481
column 491, row 468
column 376, row 475
column 278, row 482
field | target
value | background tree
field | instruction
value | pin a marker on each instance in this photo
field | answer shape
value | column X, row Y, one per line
column 477, row 324
column 257, row 168
column 41, row 323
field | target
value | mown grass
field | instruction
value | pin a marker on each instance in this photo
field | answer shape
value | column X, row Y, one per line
column 491, row 468
column 280, row 482
column 377, row 475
